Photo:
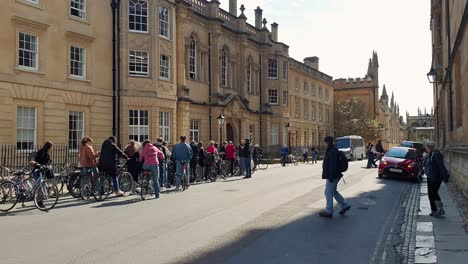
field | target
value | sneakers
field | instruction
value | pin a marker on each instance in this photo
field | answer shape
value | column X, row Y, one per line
column 119, row 193
column 345, row 209
column 325, row 214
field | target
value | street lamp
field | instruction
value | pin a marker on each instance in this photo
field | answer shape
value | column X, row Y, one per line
column 220, row 123
column 289, row 128
column 432, row 75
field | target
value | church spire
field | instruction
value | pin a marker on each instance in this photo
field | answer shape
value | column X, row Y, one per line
column 392, row 101
column 369, row 69
column 375, row 59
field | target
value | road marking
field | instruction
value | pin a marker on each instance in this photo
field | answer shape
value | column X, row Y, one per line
column 425, row 241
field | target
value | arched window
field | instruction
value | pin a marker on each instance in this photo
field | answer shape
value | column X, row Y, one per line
column 138, row 15
column 192, row 58
column 249, row 75
column 224, row 63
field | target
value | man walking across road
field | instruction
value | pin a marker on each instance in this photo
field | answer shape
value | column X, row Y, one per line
column 331, row 172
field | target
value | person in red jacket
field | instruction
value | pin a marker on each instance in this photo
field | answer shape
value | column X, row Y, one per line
column 231, row 155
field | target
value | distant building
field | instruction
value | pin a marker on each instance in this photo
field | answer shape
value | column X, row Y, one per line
column 420, row 127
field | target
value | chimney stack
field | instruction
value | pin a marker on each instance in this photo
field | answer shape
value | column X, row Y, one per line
column 258, row 18
column 312, row 62
column 233, row 7
column 274, row 32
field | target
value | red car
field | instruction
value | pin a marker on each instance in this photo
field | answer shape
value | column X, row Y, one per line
column 400, row 162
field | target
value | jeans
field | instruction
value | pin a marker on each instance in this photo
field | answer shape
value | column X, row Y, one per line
column 371, row 160
column 330, row 193
column 94, row 176
column 179, row 172
column 247, row 166
column 433, row 192
column 163, row 174
column 155, row 175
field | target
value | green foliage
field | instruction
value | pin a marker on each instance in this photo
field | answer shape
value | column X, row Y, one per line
column 352, row 118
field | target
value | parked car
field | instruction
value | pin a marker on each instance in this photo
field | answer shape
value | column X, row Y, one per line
column 400, row 162
column 352, row 146
column 419, row 146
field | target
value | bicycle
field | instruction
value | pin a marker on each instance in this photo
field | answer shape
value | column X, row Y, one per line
column 261, row 164
column 101, row 186
column 218, row 170
column 125, row 178
column 146, row 184
column 43, row 192
column 184, row 175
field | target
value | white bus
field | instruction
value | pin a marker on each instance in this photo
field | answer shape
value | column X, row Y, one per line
column 352, row 146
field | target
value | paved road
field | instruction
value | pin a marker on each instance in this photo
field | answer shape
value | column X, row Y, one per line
column 271, row 218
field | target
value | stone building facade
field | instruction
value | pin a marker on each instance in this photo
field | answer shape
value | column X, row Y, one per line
column 450, row 66
column 421, row 127
column 178, row 65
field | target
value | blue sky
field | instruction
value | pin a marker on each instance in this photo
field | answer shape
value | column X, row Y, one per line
column 343, row 34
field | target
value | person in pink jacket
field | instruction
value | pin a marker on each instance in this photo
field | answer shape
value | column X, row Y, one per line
column 231, row 156
column 150, row 155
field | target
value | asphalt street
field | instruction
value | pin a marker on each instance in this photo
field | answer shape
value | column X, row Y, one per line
column 271, row 218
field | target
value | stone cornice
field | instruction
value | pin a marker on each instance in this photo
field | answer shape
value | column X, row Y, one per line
column 37, row 25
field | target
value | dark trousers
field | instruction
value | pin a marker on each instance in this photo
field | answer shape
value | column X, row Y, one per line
column 371, row 160
column 231, row 165
column 433, row 192
column 193, row 169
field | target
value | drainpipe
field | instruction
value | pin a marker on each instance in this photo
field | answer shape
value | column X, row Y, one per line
column 261, row 101
column 114, row 4
column 119, row 77
column 449, row 72
column 209, row 84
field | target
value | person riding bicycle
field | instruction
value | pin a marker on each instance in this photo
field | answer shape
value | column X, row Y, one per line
column 256, row 154
column 182, row 153
column 284, row 155
column 42, row 158
column 150, row 156
column 108, row 161
column 231, row 156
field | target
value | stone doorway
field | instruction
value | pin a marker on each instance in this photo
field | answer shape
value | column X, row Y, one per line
column 229, row 132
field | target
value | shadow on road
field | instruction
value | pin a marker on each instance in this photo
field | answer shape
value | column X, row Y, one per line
column 296, row 234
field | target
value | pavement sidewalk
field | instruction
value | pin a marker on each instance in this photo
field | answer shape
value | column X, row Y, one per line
column 446, row 234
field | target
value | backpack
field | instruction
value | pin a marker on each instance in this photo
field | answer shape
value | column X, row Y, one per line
column 342, row 162
column 163, row 150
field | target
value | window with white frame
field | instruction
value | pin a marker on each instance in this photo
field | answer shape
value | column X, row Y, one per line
column 77, row 62
column 306, row 87
column 33, row 1
column 320, row 112
column 223, row 67
column 164, row 21
column 249, row 75
column 273, row 68
column 75, row 129
column 164, row 67
column 138, row 129
column 192, row 58
column 274, row 135
column 165, row 125
column 285, row 98
column 25, row 127
column 78, row 8
column 273, row 96
column 285, row 71
column 27, row 51
column 314, row 111
column 314, row 90
column 327, row 94
column 138, row 63
column 297, row 83
column 306, row 110
column 251, row 133
column 138, row 15
column 298, row 107
column 195, row 130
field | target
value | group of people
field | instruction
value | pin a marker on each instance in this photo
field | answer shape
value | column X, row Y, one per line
column 313, row 154
column 374, row 153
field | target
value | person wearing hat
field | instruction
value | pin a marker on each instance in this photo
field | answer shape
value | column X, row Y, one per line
column 332, row 175
column 434, row 168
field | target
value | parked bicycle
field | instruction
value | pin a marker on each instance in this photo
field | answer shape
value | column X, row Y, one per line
column 289, row 159
column 260, row 164
column 21, row 188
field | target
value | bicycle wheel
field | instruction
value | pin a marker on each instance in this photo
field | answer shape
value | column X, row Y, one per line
column 295, row 162
column 73, row 185
column 86, row 187
column 8, row 195
column 46, row 195
column 183, row 180
column 262, row 165
column 146, row 185
column 125, row 182
column 102, row 187
column 59, row 182
column 237, row 169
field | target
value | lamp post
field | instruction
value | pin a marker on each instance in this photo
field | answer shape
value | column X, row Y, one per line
column 432, row 75
column 289, row 128
column 220, row 123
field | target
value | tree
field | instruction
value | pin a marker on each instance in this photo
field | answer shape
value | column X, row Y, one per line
column 353, row 118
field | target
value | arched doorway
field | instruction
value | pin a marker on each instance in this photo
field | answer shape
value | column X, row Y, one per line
column 229, row 132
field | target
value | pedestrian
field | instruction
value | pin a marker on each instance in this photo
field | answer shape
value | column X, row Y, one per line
column 245, row 154
column 201, row 159
column 256, row 154
column 193, row 161
column 370, row 156
column 434, row 168
column 241, row 162
column 182, row 153
column 305, row 154
column 284, row 155
column 231, row 156
column 211, row 153
column 150, row 156
column 314, row 153
column 163, row 182
column 133, row 162
column 88, row 158
column 222, row 150
column 108, row 163
column 331, row 172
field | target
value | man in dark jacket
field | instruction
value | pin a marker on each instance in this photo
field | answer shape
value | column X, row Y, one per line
column 108, row 161
column 333, row 175
column 193, row 161
column 436, row 172
column 245, row 155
